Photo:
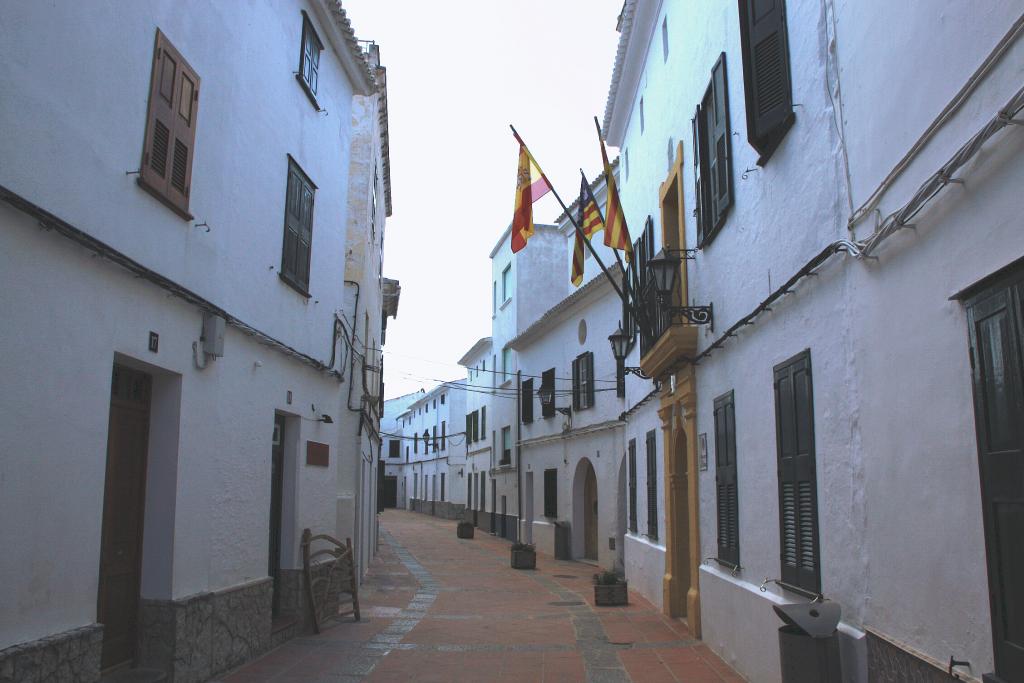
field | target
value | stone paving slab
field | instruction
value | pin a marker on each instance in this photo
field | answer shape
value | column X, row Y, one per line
column 439, row 608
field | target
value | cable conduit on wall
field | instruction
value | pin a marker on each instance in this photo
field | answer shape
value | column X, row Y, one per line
column 50, row 222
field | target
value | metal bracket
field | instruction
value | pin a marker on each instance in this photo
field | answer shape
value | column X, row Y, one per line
column 695, row 315
column 635, row 371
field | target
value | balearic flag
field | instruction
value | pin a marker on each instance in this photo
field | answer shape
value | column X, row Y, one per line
column 590, row 222
column 616, row 234
column 531, row 185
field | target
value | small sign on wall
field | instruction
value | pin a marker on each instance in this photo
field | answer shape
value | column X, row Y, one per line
column 317, row 454
column 702, row 454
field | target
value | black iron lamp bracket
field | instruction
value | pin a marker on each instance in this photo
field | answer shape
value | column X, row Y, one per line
column 695, row 315
column 636, row 371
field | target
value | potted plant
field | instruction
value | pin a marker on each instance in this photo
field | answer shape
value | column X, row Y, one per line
column 524, row 556
column 610, row 590
column 464, row 530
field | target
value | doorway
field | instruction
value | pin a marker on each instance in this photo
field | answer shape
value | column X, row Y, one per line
column 996, row 321
column 620, row 520
column 124, row 496
column 389, row 492
column 590, row 514
column 276, row 509
column 527, row 531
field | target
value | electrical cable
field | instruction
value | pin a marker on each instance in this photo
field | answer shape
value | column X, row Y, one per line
column 495, row 372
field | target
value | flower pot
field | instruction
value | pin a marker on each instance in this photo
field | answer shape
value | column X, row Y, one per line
column 611, row 595
column 524, row 559
column 464, row 530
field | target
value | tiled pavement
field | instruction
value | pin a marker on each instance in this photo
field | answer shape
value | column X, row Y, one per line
column 439, row 608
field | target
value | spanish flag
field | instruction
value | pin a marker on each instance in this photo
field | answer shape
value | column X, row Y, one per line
column 616, row 234
column 590, row 222
column 531, row 185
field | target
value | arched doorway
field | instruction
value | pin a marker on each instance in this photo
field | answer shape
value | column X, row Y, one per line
column 585, row 511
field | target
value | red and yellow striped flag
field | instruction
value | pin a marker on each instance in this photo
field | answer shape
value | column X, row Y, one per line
column 591, row 223
column 531, row 185
column 616, row 234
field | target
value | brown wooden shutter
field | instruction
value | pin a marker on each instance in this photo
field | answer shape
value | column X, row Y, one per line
column 725, row 479
column 767, row 85
column 527, row 401
column 166, row 170
column 798, row 489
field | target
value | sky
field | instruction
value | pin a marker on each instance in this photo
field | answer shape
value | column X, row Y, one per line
column 459, row 72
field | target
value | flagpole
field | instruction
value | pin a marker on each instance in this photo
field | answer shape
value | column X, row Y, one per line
column 571, row 219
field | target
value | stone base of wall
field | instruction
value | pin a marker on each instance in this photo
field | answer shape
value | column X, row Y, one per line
column 195, row 638
column 891, row 662
column 68, row 657
column 442, row 509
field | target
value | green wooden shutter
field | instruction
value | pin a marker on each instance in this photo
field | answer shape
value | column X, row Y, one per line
column 719, row 145
column 632, row 486
column 526, row 400
column 588, row 361
column 725, row 479
column 483, row 422
column 699, row 177
column 798, row 488
column 652, row 485
column 547, row 383
column 766, row 74
column 575, row 384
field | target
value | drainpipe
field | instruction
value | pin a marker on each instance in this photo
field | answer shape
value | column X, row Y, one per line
column 352, row 355
column 519, row 456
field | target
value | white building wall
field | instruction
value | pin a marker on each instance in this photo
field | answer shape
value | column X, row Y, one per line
column 73, row 130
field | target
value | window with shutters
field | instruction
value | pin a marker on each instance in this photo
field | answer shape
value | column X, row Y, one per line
column 766, row 78
column 469, row 428
column 444, row 426
column 415, row 443
column 298, row 229
column 506, row 283
column 551, row 493
column 632, row 486
column 506, row 445
column 168, row 146
column 652, row 485
column 476, row 426
column 725, row 480
column 483, row 422
column 547, row 384
column 798, row 488
column 712, row 156
column 433, row 439
column 583, row 381
column 394, row 448
column 309, row 60
column 526, row 395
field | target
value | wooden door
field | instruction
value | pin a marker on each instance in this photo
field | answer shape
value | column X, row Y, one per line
column 590, row 515
column 996, row 319
column 124, row 494
column 389, row 492
column 276, row 502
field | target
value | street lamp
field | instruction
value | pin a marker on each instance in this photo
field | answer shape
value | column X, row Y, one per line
column 620, row 347
column 664, row 270
column 547, row 397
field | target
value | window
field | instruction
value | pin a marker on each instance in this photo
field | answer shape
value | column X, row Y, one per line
column 415, row 443
column 435, row 404
column 526, row 396
column 798, row 487
column 309, row 59
column 506, row 445
column 483, row 422
column 442, row 486
column 298, row 229
column 394, row 448
column 652, row 486
column 168, row 146
column 476, row 426
column 664, row 39
column 632, row 485
column 443, row 439
column 469, row 428
column 506, row 363
column 725, row 480
column 583, row 381
column 641, row 116
column 442, row 399
column 547, row 383
column 766, row 80
column 494, row 298
column 712, row 156
column 433, row 439
column 506, row 283
column 407, row 454
column 551, row 493
column 483, row 490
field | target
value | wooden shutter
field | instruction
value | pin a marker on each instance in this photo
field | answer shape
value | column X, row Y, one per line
column 767, row 86
column 298, row 228
column 551, row 493
column 547, row 383
column 469, row 428
column 483, row 422
column 725, row 479
column 698, row 176
column 716, row 113
column 588, row 362
column 798, row 488
column 632, row 486
column 575, row 384
column 526, row 396
column 444, row 440
column 433, row 438
column 476, row 426
column 166, row 169
column 652, row 485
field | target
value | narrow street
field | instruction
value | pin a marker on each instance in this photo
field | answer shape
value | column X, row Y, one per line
column 439, row 608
